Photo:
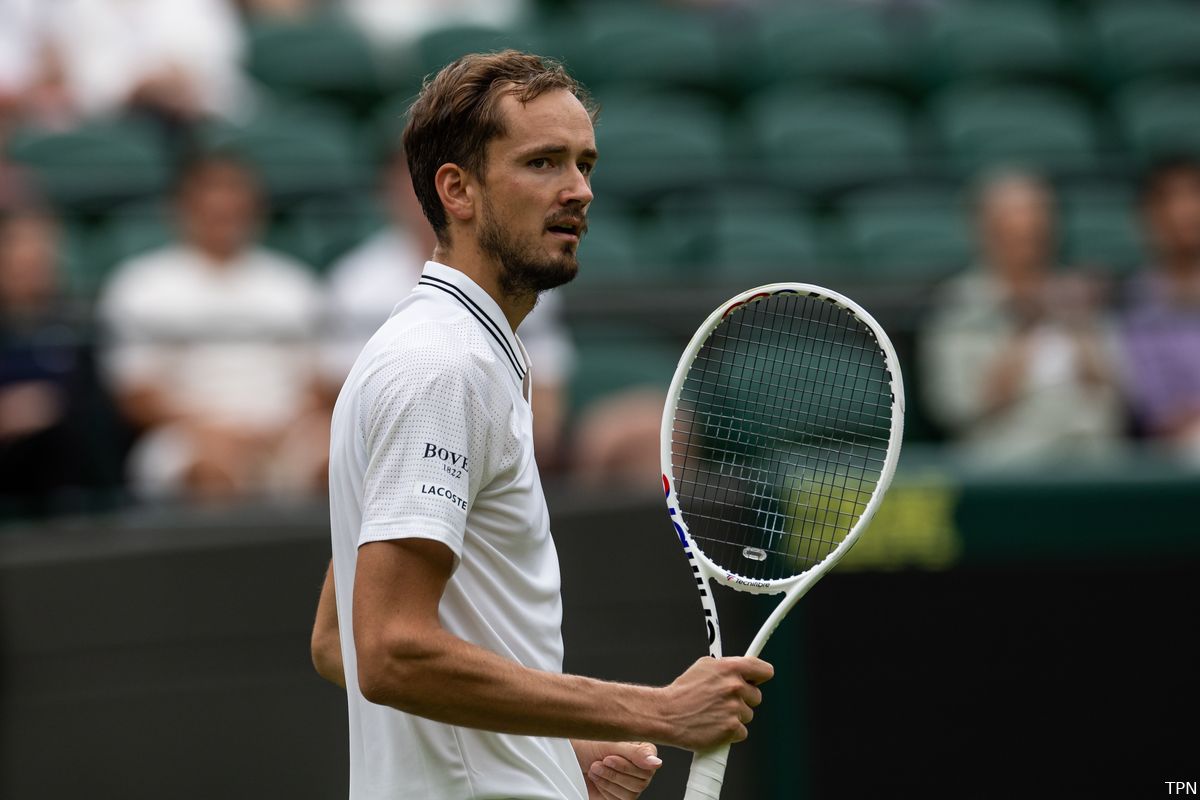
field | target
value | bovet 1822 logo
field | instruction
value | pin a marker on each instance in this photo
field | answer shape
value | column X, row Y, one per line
column 454, row 464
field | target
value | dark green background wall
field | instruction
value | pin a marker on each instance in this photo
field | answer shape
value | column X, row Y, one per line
column 164, row 654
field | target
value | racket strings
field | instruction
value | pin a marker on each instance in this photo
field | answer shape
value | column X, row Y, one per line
column 780, row 434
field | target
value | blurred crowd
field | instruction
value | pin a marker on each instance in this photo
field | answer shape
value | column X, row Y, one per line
column 1029, row 359
column 206, row 368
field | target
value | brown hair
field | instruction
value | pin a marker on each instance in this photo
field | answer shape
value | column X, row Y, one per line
column 457, row 114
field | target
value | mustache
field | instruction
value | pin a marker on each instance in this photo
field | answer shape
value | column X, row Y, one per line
column 578, row 221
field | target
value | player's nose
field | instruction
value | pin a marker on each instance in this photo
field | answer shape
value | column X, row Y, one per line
column 577, row 191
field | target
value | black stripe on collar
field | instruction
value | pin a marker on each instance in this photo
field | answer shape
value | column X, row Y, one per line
column 488, row 323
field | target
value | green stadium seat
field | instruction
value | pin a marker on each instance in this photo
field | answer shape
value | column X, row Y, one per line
column 97, row 164
column 741, row 233
column 821, row 138
column 639, row 43
column 326, row 57
column 126, row 232
column 905, row 232
column 440, row 46
column 299, row 151
column 320, row 231
column 1147, row 37
column 1160, row 118
column 651, row 143
column 825, row 41
column 1100, row 228
column 76, row 273
column 613, row 359
column 764, row 247
column 385, row 125
column 608, row 254
column 1009, row 39
column 1033, row 127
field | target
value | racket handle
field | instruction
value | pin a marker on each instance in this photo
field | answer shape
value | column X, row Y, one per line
column 707, row 775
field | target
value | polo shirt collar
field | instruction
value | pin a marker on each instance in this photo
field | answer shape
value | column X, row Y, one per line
column 455, row 287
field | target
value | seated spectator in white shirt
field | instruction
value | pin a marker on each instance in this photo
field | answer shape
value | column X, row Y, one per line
column 390, row 24
column 214, row 351
column 32, row 90
column 1017, row 364
column 179, row 60
column 366, row 284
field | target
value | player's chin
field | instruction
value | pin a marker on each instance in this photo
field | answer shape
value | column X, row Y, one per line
column 561, row 268
column 568, row 268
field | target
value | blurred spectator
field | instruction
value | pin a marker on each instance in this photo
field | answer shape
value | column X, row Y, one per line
column 1017, row 364
column 280, row 10
column 177, row 60
column 214, row 350
column 1162, row 323
column 391, row 24
column 367, row 283
column 15, row 184
column 57, row 435
column 617, row 439
column 31, row 84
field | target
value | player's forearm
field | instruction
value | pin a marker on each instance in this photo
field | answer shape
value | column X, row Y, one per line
column 327, row 659
column 326, row 641
column 444, row 678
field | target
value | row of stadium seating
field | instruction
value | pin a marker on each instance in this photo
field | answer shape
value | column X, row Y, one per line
column 816, row 138
column 727, row 234
column 1090, row 47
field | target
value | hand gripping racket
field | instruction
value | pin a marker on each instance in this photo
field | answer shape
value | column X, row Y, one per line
column 780, row 436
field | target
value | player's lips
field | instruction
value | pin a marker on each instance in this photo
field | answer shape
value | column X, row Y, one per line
column 570, row 229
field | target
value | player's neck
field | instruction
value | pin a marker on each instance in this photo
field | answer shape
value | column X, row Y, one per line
column 486, row 273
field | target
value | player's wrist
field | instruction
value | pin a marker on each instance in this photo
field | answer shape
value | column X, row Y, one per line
column 662, row 722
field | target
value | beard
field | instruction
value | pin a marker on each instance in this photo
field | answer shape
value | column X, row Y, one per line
column 525, row 267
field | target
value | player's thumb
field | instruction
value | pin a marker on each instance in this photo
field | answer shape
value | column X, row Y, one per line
column 641, row 754
column 756, row 671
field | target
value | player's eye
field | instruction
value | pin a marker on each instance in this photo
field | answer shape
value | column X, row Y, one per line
column 539, row 163
column 586, row 167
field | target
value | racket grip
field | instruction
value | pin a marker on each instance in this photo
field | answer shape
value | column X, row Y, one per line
column 707, row 775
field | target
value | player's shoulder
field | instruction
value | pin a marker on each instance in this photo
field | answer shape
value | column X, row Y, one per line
column 418, row 349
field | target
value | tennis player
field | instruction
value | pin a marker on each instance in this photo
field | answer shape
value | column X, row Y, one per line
column 445, row 578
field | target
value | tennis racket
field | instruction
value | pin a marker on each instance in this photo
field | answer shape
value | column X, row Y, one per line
column 780, row 435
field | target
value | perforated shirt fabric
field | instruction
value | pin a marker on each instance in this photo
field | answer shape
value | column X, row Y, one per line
column 432, row 438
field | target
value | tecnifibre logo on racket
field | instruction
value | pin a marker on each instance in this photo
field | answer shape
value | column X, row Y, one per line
column 735, row 578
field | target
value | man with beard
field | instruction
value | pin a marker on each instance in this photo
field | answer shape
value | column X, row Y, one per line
column 444, row 584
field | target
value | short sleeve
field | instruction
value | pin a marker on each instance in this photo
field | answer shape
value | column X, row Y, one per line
column 427, row 434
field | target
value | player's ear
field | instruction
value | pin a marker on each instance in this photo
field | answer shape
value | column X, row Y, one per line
column 454, row 188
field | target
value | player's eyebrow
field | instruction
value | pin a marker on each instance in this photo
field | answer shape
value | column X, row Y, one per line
column 557, row 149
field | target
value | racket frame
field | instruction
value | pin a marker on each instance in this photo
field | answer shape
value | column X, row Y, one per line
column 708, row 768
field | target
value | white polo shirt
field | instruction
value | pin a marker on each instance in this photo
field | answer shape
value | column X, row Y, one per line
column 432, row 438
